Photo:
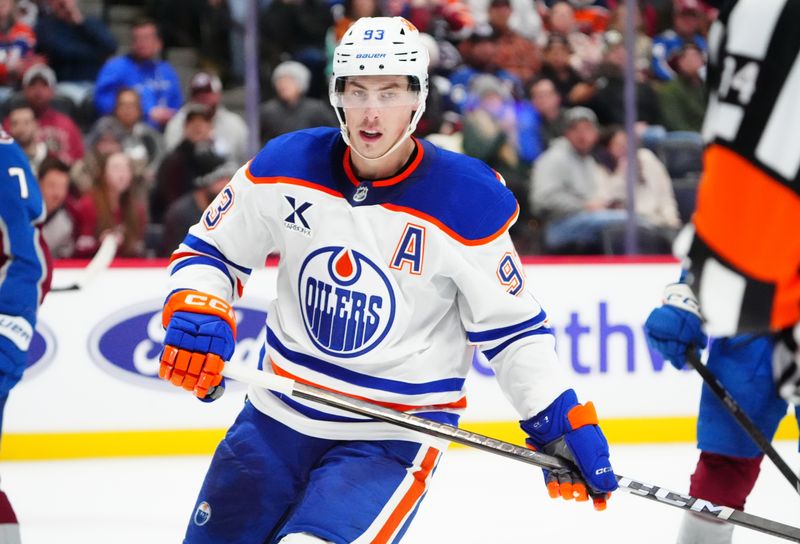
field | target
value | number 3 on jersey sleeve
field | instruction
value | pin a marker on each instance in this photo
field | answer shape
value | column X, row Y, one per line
column 219, row 207
column 510, row 274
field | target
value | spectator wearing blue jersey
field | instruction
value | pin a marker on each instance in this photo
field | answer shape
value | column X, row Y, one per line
column 143, row 70
column 490, row 128
column 26, row 279
column 479, row 53
column 686, row 28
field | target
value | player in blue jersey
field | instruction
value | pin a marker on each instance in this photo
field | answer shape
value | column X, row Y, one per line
column 24, row 281
column 395, row 265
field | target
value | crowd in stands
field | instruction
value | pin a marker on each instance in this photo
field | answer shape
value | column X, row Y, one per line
column 532, row 87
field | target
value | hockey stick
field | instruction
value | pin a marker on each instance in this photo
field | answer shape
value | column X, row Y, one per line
column 741, row 417
column 467, row 438
column 100, row 262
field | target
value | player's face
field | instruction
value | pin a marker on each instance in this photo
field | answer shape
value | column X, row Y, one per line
column 378, row 110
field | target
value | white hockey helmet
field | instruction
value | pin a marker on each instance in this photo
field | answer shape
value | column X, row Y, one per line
column 375, row 46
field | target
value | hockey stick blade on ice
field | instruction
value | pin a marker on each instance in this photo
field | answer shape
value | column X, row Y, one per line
column 467, row 438
column 741, row 417
column 100, row 262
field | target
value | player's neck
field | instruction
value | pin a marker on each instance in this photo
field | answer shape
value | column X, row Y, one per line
column 387, row 166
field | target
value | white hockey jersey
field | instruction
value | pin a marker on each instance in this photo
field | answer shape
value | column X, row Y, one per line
column 384, row 287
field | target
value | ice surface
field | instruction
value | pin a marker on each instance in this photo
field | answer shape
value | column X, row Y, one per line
column 476, row 498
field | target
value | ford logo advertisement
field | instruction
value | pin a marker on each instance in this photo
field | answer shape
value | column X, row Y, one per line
column 41, row 351
column 128, row 343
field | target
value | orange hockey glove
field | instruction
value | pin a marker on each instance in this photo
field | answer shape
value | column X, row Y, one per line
column 200, row 337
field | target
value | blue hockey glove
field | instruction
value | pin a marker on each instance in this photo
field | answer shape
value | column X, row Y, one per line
column 12, row 360
column 570, row 431
column 200, row 335
column 675, row 325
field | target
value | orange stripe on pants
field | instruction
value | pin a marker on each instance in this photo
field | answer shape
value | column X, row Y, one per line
column 410, row 499
column 751, row 220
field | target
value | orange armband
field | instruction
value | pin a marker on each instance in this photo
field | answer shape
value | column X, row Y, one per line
column 198, row 303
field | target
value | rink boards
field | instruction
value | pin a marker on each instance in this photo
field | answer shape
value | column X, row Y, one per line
column 91, row 387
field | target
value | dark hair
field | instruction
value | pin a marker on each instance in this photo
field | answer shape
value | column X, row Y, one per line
column 49, row 163
column 535, row 81
column 126, row 89
column 139, row 22
column 607, row 134
column 131, row 222
column 557, row 39
column 23, row 105
column 195, row 110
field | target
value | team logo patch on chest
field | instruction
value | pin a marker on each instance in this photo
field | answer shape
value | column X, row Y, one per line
column 347, row 302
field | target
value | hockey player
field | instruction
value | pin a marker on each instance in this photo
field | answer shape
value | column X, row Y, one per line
column 742, row 251
column 24, row 281
column 395, row 263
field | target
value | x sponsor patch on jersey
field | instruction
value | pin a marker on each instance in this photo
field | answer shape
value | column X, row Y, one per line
column 297, row 220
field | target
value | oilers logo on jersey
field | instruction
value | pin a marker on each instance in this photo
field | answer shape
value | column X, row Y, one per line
column 202, row 514
column 347, row 302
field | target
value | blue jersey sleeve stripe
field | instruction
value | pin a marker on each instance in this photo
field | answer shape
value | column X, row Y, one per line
column 208, row 261
column 199, row 245
column 497, row 334
column 492, row 353
column 359, row 379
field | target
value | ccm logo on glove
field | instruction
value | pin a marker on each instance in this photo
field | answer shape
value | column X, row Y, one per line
column 201, row 303
column 200, row 337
